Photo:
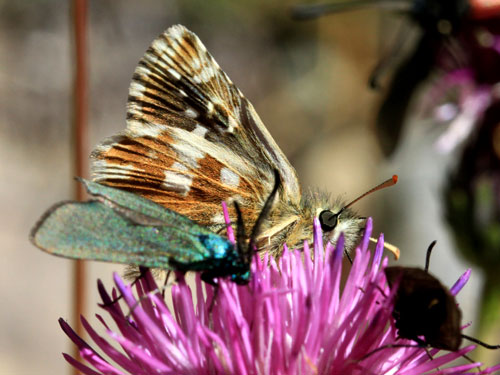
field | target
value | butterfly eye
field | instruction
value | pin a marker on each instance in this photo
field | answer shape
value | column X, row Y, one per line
column 328, row 220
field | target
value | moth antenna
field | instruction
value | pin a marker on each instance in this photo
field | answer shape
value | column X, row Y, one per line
column 240, row 227
column 388, row 246
column 479, row 342
column 387, row 183
column 428, row 256
column 265, row 210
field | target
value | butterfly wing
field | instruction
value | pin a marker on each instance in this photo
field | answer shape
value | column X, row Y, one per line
column 192, row 139
column 96, row 231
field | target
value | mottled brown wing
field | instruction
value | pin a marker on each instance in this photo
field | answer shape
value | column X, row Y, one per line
column 192, row 139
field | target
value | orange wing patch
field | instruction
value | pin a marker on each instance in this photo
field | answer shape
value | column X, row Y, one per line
column 174, row 178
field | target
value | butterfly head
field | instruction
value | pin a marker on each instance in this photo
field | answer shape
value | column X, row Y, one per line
column 341, row 219
column 335, row 221
column 335, row 217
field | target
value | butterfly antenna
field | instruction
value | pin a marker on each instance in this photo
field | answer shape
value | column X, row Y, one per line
column 428, row 256
column 387, row 183
column 265, row 210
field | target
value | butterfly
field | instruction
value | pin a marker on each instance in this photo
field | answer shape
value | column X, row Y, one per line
column 193, row 140
column 122, row 227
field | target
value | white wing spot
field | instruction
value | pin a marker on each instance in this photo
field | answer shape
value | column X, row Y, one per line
column 171, row 52
column 176, row 32
column 218, row 218
column 205, row 75
column 232, row 124
column 144, row 129
column 199, row 45
column 200, row 130
column 151, row 59
column 229, row 178
column 135, row 109
column 174, row 74
column 142, row 71
column 196, row 64
column 191, row 113
column 178, row 182
column 101, row 170
column 159, row 45
column 188, row 153
column 179, row 166
column 210, row 107
column 183, row 93
column 136, row 89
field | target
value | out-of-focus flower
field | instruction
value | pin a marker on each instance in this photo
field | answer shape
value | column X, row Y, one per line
column 468, row 81
column 466, row 100
column 293, row 318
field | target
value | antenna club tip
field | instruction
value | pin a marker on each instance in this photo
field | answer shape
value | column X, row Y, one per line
column 394, row 178
column 396, row 253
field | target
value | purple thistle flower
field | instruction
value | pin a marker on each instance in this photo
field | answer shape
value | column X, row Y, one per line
column 467, row 113
column 469, row 76
column 292, row 318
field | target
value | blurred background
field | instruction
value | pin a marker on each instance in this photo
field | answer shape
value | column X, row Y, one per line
column 308, row 80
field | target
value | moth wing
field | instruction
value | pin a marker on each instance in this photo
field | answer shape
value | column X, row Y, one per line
column 138, row 209
column 94, row 231
column 192, row 139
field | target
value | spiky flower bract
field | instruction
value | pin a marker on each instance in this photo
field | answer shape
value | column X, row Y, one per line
column 292, row 318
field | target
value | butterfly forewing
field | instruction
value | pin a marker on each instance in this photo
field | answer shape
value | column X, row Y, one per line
column 94, row 230
column 192, row 140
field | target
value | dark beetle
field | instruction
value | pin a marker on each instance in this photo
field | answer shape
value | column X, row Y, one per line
column 425, row 307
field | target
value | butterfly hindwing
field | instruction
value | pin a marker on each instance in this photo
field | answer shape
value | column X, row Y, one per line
column 192, row 139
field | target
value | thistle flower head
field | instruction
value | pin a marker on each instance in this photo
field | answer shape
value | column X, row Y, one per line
column 468, row 83
column 292, row 318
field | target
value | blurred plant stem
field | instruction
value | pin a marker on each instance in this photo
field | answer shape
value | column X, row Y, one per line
column 489, row 328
